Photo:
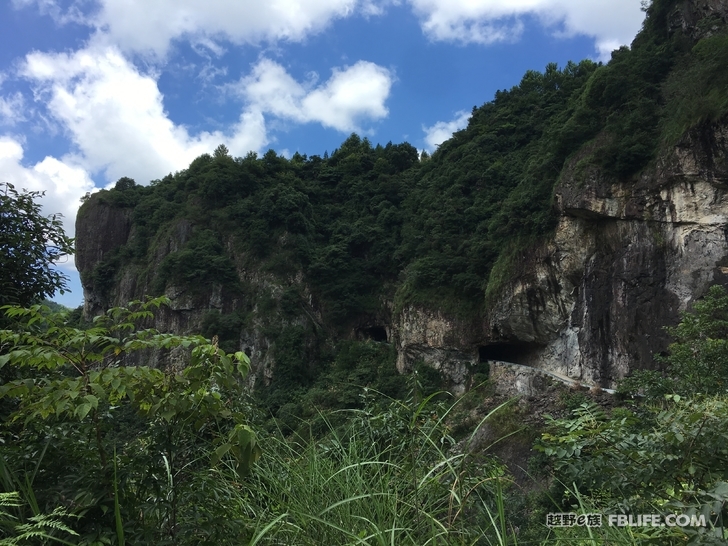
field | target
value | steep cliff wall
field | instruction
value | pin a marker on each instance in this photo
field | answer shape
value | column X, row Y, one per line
column 100, row 230
column 285, row 258
column 250, row 306
column 624, row 261
column 590, row 303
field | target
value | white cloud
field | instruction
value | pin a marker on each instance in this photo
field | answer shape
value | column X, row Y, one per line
column 64, row 182
column 56, row 10
column 115, row 116
column 351, row 95
column 442, row 130
column 11, row 109
column 355, row 92
column 610, row 22
column 151, row 25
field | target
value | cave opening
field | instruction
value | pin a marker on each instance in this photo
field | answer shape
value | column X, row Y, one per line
column 374, row 333
column 516, row 352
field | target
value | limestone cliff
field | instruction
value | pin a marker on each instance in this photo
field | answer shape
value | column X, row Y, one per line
column 289, row 257
column 625, row 260
column 591, row 303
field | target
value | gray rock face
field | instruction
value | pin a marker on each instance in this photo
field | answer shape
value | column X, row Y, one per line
column 100, row 229
column 699, row 18
column 439, row 341
column 592, row 302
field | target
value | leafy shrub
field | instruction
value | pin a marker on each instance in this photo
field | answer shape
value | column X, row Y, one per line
column 696, row 90
column 124, row 448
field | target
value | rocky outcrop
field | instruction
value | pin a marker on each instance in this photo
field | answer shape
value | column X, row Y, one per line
column 699, row 18
column 441, row 342
column 105, row 234
column 592, row 302
column 98, row 217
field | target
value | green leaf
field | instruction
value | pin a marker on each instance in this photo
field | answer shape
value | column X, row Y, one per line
column 82, row 411
column 219, row 453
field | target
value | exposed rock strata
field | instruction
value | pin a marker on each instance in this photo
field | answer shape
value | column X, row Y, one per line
column 591, row 303
column 91, row 248
column 625, row 260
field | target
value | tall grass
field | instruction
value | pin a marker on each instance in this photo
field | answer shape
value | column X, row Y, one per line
column 393, row 475
column 390, row 475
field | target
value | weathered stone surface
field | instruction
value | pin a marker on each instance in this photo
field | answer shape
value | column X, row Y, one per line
column 592, row 302
column 100, row 230
column 699, row 18
column 442, row 342
column 514, row 380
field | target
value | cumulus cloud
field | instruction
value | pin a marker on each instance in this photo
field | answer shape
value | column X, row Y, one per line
column 115, row 116
column 349, row 96
column 442, row 130
column 610, row 22
column 63, row 181
column 151, row 25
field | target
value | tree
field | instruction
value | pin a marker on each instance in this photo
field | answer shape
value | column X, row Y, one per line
column 30, row 244
column 81, row 416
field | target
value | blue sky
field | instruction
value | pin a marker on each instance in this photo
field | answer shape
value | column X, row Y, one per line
column 93, row 90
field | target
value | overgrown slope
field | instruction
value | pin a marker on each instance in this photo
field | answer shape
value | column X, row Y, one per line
column 310, row 249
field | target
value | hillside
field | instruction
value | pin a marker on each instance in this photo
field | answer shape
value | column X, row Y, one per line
column 577, row 215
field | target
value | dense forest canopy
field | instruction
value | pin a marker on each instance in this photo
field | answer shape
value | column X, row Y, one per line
column 368, row 229
column 371, row 220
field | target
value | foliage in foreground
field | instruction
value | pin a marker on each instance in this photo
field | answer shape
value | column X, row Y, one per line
column 129, row 454
column 97, row 451
column 669, row 459
column 110, row 441
column 29, row 245
column 390, row 475
column 668, row 450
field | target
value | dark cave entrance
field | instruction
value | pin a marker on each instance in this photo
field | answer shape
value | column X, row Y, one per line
column 516, row 352
column 374, row 333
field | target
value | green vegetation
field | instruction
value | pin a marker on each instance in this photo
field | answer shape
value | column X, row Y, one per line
column 665, row 454
column 87, row 435
column 696, row 90
column 115, row 433
column 29, row 245
column 373, row 223
column 99, row 452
